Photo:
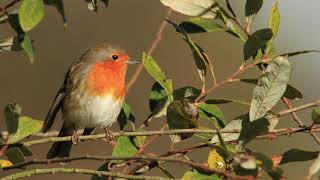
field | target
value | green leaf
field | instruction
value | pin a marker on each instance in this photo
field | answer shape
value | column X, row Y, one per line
column 199, row 25
column 124, row 148
column 125, row 116
column 204, row 136
column 225, row 100
column 274, row 24
column 182, row 115
column 12, row 113
column 31, row 13
column 58, row 4
column 26, row 151
column 252, row 129
column 15, row 155
column 26, row 127
column 10, row 44
column 158, row 100
column 292, row 93
column 186, row 93
column 27, row 46
column 315, row 167
column 203, row 8
column 103, row 167
column 195, row 175
column 255, row 42
column 295, row 53
column 154, row 70
column 211, row 112
column 198, row 53
column 271, row 86
column 274, row 19
column 233, row 27
column 294, row 155
column 253, row 7
column 233, row 125
column 316, row 116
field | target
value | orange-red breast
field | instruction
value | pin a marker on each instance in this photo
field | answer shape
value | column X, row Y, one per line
column 91, row 95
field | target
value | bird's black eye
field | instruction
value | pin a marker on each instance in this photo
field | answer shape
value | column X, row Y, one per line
column 114, row 57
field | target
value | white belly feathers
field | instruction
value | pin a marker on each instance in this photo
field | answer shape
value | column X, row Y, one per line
column 92, row 111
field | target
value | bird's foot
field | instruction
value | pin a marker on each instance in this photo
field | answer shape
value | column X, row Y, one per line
column 109, row 134
column 74, row 137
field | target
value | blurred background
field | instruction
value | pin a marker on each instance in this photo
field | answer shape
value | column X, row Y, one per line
column 132, row 25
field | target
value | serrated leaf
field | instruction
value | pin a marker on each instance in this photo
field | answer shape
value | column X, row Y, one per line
column 124, row 147
column 15, row 155
column 31, row 13
column 199, row 25
column 194, row 174
column 271, row 86
column 58, row 4
column 203, row 8
column 253, row 7
column 291, row 92
column 316, row 116
column 216, row 161
column 26, row 127
column 5, row 163
column 294, row 155
column 198, row 53
column 315, row 166
column 182, row 115
column 211, row 112
column 155, row 71
column 125, row 116
column 12, row 113
column 256, row 41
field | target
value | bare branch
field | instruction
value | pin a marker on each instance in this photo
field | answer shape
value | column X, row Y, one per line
column 153, row 46
column 35, row 172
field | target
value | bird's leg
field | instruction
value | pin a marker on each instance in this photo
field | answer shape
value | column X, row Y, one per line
column 109, row 134
column 75, row 137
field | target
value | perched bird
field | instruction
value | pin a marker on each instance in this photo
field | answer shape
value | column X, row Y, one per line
column 91, row 95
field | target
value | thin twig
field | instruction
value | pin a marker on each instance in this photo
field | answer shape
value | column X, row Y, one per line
column 77, row 171
column 8, row 5
column 195, row 165
column 295, row 117
column 153, row 46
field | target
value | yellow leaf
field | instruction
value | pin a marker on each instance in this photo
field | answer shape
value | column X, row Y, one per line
column 215, row 161
column 5, row 163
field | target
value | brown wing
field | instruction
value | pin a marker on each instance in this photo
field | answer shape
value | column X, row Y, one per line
column 58, row 100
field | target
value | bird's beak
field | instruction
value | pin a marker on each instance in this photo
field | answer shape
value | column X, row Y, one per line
column 132, row 62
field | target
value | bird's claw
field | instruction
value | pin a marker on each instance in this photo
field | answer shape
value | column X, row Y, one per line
column 109, row 134
column 74, row 137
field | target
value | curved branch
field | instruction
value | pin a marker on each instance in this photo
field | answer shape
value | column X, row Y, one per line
column 35, row 172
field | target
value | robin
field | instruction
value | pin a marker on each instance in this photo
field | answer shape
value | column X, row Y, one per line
column 91, row 95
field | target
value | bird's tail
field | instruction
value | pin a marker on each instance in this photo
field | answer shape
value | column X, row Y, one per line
column 61, row 149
